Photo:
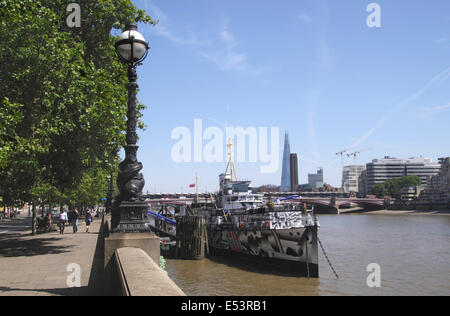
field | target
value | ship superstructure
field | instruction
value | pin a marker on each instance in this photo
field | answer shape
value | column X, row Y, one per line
column 243, row 224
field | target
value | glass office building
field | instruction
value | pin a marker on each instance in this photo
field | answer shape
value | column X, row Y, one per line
column 286, row 167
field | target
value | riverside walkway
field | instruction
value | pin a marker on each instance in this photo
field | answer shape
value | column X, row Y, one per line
column 37, row 265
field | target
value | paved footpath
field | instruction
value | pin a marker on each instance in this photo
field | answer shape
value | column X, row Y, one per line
column 37, row 265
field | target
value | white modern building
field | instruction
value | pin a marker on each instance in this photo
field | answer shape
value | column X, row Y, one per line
column 438, row 187
column 381, row 170
column 350, row 177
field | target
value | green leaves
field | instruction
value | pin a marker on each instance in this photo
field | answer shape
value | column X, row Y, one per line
column 63, row 98
column 393, row 187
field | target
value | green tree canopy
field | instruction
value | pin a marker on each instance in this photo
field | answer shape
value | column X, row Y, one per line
column 379, row 190
column 63, row 99
column 393, row 187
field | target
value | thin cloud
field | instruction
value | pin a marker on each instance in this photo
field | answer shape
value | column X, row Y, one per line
column 441, row 40
column 227, row 57
column 192, row 39
column 438, row 79
column 304, row 18
column 164, row 30
column 438, row 109
column 431, row 112
column 323, row 55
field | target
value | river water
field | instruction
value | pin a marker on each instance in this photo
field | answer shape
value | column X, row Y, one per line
column 412, row 251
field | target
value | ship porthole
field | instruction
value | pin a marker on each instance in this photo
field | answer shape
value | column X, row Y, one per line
column 309, row 238
column 291, row 252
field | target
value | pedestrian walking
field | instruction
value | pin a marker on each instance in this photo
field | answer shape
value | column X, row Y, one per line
column 75, row 217
column 63, row 219
column 88, row 221
column 48, row 221
column 69, row 217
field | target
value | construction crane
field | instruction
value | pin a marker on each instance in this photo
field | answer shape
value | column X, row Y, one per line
column 357, row 153
column 342, row 157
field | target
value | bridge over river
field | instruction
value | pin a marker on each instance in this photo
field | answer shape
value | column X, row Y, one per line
column 333, row 205
column 322, row 205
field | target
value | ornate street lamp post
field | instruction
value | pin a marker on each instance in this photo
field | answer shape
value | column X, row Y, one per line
column 130, row 208
column 110, row 197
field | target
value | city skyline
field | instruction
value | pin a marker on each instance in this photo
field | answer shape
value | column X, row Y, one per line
column 225, row 149
column 316, row 71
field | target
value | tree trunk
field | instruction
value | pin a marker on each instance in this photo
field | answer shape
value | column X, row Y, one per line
column 33, row 220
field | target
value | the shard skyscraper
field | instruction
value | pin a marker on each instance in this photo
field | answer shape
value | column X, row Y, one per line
column 286, row 167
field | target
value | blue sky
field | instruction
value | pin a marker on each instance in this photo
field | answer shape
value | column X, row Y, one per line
column 312, row 68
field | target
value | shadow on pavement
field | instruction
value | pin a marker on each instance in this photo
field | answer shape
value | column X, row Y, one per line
column 96, row 278
column 76, row 291
column 14, row 226
column 33, row 247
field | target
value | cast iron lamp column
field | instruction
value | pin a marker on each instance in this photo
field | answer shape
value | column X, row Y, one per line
column 130, row 209
column 110, row 197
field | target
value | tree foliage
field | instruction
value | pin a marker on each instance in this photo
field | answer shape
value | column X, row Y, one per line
column 63, row 99
column 379, row 190
column 393, row 187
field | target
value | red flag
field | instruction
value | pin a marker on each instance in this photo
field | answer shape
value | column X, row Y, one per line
column 191, row 185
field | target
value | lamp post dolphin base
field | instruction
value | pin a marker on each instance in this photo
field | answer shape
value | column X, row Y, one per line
column 133, row 217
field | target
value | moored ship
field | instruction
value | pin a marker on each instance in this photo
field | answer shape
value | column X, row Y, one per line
column 242, row 224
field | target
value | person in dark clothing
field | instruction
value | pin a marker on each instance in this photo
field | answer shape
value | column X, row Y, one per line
column 69, row 217
column 88, row 221
column 75, row 217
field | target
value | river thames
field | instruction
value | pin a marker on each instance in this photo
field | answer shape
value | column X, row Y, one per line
column 413, row 252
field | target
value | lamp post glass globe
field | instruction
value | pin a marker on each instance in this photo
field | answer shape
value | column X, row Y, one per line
column 131, row 45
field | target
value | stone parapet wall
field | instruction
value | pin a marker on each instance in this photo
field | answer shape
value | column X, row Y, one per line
column 139, row 275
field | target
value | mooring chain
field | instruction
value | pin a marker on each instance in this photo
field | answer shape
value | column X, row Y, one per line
column 329, row 262
column 307, row 259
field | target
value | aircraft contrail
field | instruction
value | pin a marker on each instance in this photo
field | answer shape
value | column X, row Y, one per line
column 440, row 78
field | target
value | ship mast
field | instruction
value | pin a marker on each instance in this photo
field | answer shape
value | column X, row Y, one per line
column 230, row 164
column 196, row 188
